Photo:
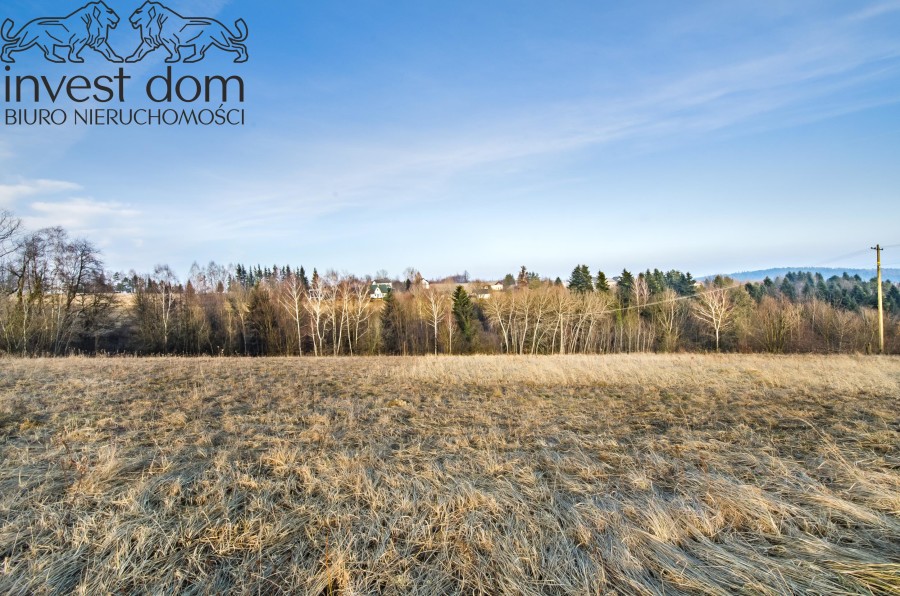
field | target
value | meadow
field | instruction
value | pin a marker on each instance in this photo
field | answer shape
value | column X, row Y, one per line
column 632, row 474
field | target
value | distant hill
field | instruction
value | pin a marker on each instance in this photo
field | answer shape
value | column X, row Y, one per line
column 761, row 274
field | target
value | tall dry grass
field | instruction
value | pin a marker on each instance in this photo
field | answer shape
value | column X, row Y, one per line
column 574, row 475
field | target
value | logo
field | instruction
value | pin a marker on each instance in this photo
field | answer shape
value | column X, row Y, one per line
column 159, row 27
column 87, row 27
column 169, row 98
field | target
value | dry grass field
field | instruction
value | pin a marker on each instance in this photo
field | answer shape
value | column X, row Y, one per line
column 496, row 475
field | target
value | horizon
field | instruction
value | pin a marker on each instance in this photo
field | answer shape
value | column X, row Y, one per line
column 712, row 139
column 890, row 274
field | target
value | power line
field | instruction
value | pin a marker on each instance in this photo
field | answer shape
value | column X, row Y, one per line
column 689, row 297
column 833, row 260
column 676, row 299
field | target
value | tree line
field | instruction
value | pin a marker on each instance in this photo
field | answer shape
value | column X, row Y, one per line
column 59, row 300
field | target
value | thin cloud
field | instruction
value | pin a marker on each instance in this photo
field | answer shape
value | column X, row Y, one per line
column 877, row 10
column 80, row 215
column 794, row 85
column 11, row 193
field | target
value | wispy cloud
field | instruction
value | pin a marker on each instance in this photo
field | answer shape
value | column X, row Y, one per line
column 79, row 214
column 876, row 10
column 828, row 69
column 11, row 193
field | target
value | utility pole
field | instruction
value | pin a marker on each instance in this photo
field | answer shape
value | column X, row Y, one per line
column 877, row 248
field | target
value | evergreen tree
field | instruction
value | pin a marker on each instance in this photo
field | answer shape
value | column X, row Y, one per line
column 689, row 285
column 580, row 280
column 558, row 282
column 656, row 281
column 625, row 287
column 756, row 291
column 788, row 289
column 522, row 280
column 391, row 330
column 602, row 283
column 722, row 281
column 464, row 314
column 303, row 280
column 821, row 289
column 892, row 299
column 508, row 281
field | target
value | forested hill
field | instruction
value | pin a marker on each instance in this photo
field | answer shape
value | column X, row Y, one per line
column 826, row 272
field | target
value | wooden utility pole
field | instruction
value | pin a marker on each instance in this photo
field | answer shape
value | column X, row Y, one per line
column 878, row 250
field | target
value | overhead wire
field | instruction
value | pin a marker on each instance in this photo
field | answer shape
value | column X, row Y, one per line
column 692, row 296
column 676, row 299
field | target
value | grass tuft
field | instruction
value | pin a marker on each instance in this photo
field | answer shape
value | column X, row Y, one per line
column 643, row 474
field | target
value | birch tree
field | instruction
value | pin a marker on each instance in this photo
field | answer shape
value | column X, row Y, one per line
column 291, row 300
column 433, row 306
column 715, row 308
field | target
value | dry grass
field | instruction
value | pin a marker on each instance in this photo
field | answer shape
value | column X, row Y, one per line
column 499, row 475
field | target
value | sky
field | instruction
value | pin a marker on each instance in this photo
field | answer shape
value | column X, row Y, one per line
column 479, row 136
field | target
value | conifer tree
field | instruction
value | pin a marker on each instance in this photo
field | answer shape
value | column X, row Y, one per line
column 602, row 283
column 303, row 280
column 787, row 288
column 464, row 314
column 522, row 280
column 581, row 280
column 390, row 325
column 624, row 287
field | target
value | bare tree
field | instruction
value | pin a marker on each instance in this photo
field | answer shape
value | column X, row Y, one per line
column 165, row 284
column 358, row 304
column 451, row 327
column 291, row 300
column 29, row 272
column 77, row 270
column 238, row 307
column 668, row 314
column 9, row 228
column 316, row 307
column 715, row 308
column 49, row 276
column 433, row 306
column 776, row 320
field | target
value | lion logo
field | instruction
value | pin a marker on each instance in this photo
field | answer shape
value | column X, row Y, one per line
column 163, row 27
column 87, row 27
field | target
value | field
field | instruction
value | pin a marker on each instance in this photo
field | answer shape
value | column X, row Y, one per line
column 498, row 475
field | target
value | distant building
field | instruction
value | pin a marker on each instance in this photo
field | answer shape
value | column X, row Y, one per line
column 497, row 287
column 483, row 293
column 425, row 284
column 379, row 290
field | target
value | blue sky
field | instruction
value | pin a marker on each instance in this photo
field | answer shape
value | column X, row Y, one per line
column 480, row 136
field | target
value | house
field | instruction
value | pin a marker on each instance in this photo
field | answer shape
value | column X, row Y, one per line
column 425, row 284
column 378, row 290
column 483, row 293
column 497, row 287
